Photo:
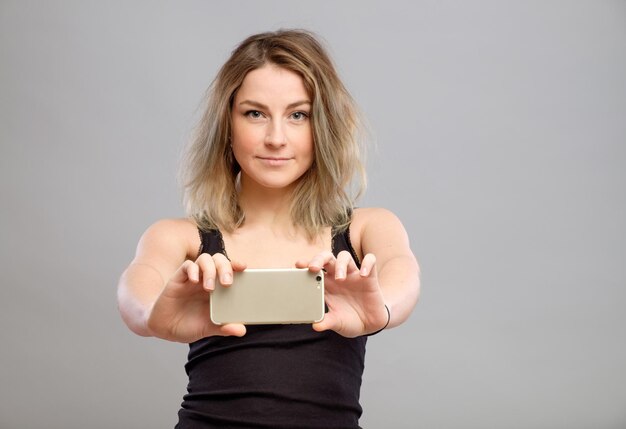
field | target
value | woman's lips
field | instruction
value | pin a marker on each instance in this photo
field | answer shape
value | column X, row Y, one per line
column 274, row 161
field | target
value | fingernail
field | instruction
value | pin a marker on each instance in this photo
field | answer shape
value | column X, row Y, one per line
column 340, row 274
column 227, row 278
column 363, row 271
column 209, row 284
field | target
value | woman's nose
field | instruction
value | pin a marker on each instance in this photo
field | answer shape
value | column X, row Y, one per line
column 275, row 134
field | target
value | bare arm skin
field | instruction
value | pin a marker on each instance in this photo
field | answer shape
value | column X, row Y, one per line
column 383, row 235
column 164, row 292
column 389, row 275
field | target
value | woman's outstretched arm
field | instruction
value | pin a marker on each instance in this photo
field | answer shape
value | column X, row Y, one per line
column 383, row 235
column 383, row 291
column 165, row 290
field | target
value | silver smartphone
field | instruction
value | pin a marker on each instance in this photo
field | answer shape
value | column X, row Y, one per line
column 270, row 296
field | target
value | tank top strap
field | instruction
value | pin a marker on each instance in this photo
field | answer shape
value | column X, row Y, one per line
column 211, row 242
column 341, row 241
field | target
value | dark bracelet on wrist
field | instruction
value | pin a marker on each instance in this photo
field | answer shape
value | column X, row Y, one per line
column 386, row 324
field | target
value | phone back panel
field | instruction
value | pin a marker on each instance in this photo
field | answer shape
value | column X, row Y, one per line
column 270, row 296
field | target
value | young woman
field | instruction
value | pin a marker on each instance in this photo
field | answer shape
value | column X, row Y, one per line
column 267, row 184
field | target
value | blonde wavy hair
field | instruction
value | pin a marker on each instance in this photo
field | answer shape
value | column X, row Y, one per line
column 326, row 193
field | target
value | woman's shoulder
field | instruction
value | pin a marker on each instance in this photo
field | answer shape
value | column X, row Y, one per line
column 180, row 233
column 368, row 216
column 174, row 225
column 372, row 227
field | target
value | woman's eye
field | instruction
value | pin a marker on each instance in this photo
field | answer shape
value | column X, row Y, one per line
column 254, row 114
column 299, row 116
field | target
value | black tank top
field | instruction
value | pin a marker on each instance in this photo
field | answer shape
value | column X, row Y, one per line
column 276, row 376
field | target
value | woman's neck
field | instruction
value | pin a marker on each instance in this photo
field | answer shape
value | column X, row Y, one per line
column 270, row 207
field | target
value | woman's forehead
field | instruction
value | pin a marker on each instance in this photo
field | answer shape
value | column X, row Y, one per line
column 271, row 81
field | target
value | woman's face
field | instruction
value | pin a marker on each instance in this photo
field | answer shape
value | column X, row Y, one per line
column 271, row 137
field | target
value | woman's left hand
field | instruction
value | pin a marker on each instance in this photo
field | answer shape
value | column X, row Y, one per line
column 355, row 301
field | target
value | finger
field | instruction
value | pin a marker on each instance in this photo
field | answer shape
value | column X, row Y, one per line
column 368, row 266
column 187, row 272
column 238, row 266
column 207, row 268
column 344, row 265
column 224, row 269
column 302, row 264
column 324, row 260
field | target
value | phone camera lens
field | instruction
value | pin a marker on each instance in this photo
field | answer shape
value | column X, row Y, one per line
column 318, row 278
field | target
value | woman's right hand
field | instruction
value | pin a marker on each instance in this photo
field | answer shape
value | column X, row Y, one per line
column 182, row 312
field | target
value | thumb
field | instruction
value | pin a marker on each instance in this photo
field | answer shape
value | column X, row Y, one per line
column 329, row 322
column 233, row 329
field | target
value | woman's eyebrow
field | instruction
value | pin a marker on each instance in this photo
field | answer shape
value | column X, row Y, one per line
column 263, row 106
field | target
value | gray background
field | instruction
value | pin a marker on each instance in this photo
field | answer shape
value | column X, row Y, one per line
column 500, row 132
